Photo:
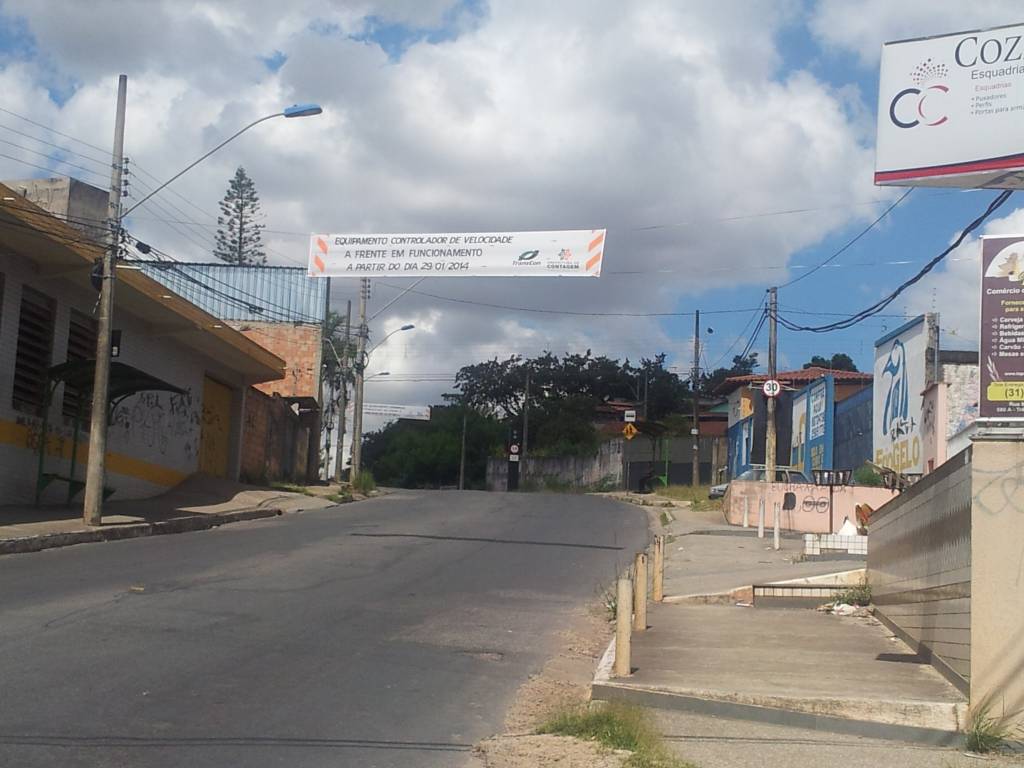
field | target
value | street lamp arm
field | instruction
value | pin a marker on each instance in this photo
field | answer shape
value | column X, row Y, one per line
column 381, row 342
column 188, row 168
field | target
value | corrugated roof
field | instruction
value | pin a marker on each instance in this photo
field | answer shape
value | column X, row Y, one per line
column 803, row 376
column 245, row 292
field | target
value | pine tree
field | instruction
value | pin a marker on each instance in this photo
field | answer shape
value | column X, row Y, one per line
column 239, row 231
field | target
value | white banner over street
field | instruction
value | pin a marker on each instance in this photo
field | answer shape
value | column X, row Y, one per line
column 415, row 412
column 575, row 253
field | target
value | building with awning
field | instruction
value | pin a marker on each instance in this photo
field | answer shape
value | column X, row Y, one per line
column 157, row 437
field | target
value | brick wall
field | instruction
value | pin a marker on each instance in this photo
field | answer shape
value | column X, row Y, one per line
column 275, row 441
column 299, row 346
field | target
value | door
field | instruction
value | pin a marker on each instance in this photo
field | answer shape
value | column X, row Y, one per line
column 215, row 437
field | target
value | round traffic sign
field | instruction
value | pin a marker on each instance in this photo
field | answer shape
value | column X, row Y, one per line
column 513, row 448
column 772, row 388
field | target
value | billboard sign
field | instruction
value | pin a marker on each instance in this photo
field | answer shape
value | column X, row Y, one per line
column 949, row 110
column 812, row 440
column 416, row 412
column 1001, row 370
column 901, row 377
column 576, row 253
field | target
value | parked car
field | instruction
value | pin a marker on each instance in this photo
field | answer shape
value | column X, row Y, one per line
column 782, row 475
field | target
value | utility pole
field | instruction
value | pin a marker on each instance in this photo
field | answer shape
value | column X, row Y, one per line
column 646, row 385
column 526, row 416
column 343, row 396
column 695, row 380
column 773, row 339
column 357, row 411
column 325, row 386
column 95, row 475
column 462, row 455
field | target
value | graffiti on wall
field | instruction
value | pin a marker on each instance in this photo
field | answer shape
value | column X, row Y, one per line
column 159, row 424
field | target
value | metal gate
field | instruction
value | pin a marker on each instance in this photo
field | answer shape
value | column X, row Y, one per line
column 215, row 438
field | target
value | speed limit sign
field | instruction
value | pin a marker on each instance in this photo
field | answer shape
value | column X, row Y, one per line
column 772, row 388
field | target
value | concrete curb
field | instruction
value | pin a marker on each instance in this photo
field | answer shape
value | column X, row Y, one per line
column 813, row 714
column 133, row 530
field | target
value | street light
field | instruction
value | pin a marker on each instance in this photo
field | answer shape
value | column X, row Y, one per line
column 356, row 464
column 95, row 477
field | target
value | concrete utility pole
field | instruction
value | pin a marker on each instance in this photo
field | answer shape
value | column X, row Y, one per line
column 343, row 396
column 694, row 386
column 526, row 417
column 773, row 331
column 325, row 388
column 462, row 455
column 96, row 470
column 357, row 411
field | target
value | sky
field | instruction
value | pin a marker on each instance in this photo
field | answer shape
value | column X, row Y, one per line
column 726, row 146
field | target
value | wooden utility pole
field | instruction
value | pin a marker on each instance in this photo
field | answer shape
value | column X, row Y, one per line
column 769, row 440
column 695, row 388
column 95, row 475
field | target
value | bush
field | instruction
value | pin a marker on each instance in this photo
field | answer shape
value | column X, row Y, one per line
column 866, row 475
column 859, row 594
column 364, row 482
column 986, row 733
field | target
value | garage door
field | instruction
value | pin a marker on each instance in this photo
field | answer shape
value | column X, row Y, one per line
column 215, row 438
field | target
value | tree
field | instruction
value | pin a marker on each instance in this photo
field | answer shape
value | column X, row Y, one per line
column 741, row 366
column 239, row 229
column 840, row 361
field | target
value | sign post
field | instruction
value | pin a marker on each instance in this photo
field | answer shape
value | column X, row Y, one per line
column 513, row 462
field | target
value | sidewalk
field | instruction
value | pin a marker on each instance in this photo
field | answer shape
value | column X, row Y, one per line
column 787, row 667
column 198, row 503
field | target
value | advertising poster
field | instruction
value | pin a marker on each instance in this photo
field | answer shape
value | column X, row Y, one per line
column 901, row 373
column 1001, row 368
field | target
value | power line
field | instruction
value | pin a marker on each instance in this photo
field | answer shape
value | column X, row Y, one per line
column 878, row 306
column 52, row 130
column 849, row 244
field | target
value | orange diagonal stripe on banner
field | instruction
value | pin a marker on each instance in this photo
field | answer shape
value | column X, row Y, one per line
column 595, row 259
column 319, row 263
column 321, row 244
column 596, row 242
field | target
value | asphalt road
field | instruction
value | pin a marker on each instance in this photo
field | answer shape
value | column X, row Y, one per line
column 388, row 633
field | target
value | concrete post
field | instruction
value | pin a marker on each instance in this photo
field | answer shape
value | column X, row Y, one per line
column 640, row 592
column 760, row 518
column 746, row 511
column 775, row 527
column 623, row 618
column 658, row 588
column 997, row 543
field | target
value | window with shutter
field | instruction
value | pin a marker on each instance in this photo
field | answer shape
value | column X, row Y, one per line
column 34, row 351
column 81, row 346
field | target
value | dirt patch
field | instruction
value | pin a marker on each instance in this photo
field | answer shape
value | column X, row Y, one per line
column 563, row 682
column 545, row 752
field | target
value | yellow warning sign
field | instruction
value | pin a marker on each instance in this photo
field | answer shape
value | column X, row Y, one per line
column 630, row 431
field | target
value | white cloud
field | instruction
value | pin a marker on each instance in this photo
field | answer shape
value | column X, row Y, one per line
column 863, row 26
column 536, row 115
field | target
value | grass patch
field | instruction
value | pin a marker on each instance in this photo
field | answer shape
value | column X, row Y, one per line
column 291, row 488
column 698, row 497
column 987, row 733
column 665, row 519
column 616, row 726
column 339, row 498
column 364, row 482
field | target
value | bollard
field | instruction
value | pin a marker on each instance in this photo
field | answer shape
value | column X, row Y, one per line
column 658, row 588
column 775, row 532
column 623, row 617
column 746, row 511
column 640, row 592
column 760, row 518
